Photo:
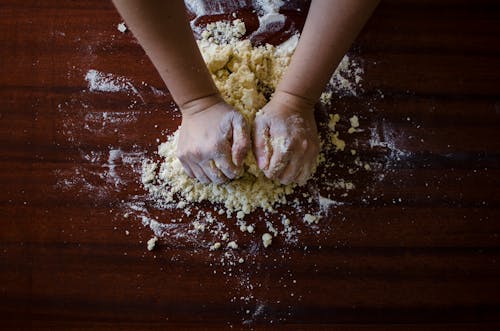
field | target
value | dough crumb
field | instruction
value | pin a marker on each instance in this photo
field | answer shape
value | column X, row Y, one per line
column 267, row 239
column 152, row 243
column 122, row 27
column 215, row 246
column 354, row 121
column 334, row 119
column 232, row 245
column 354, row 125
column 337, row 142
column 250, row 228
column 310, row 219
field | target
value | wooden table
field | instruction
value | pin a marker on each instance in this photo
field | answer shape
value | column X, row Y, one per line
column 416, row 245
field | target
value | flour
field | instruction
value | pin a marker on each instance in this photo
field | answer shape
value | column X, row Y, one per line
column 104, row 82
column 269, row 22
column 203, row 7
column 345, row 81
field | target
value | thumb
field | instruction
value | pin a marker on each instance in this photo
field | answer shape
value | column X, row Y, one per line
column 241, row 140
column 261, row 144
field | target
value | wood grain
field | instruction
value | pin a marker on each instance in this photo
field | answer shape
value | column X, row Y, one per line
column 415, row 247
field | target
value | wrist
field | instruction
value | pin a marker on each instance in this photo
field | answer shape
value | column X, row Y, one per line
column 292, row 101
column 200, row 104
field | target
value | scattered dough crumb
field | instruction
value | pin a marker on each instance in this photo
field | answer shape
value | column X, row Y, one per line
column 250, row 229
column 215, row 246
column 198, row 226
column 337, row 142
column 334, row 119
column 122, row 27
column 354, row 121
column 232, row 245
column 310, row 219
column 267, row 239
column 152, row 243
column 354, row 124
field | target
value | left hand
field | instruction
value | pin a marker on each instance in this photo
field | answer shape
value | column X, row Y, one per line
column 285, row 136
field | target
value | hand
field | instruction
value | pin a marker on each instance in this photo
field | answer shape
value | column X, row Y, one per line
column 286, row 142
column 213, row 141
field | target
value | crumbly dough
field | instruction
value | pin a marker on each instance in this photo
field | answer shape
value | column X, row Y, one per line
column 267, row 239
column 246, row 77
column 152, row 243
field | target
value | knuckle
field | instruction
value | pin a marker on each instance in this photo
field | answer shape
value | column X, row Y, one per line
column 305, row 144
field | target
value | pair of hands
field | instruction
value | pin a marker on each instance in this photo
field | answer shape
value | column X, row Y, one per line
column 214, row 140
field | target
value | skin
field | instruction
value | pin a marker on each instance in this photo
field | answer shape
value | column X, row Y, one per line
column 331, row 27
column 214, row 138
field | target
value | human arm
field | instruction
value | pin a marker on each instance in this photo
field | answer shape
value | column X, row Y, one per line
column 331, row 27
column 163, row 30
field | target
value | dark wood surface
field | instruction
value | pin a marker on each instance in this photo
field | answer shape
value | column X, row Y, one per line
column 416, row 245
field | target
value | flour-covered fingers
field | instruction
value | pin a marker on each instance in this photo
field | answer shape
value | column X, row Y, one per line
column 240, row 140
column 187, row 168
column 261, row 140
column 200, row 174
column 279, row 162
column 216, row 176
column 290, row 173
column 226, row 166
column 304, row 173
column 281, row 155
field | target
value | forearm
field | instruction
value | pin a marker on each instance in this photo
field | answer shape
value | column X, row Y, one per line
column 163, row 30
column 330, row 29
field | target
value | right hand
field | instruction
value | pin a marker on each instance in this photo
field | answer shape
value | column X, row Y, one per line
column 213, row 142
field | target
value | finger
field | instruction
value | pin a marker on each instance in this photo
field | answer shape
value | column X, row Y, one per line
column 277, row 165
column 304, row 174
column 289, row 173
column 262, row 146
column 215, row 175
column 200, row 174
column 241, row 140
column 227, row 167
column 279, row 159
column 187, row 169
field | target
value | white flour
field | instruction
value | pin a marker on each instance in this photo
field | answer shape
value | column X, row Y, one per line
column 104, row 82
